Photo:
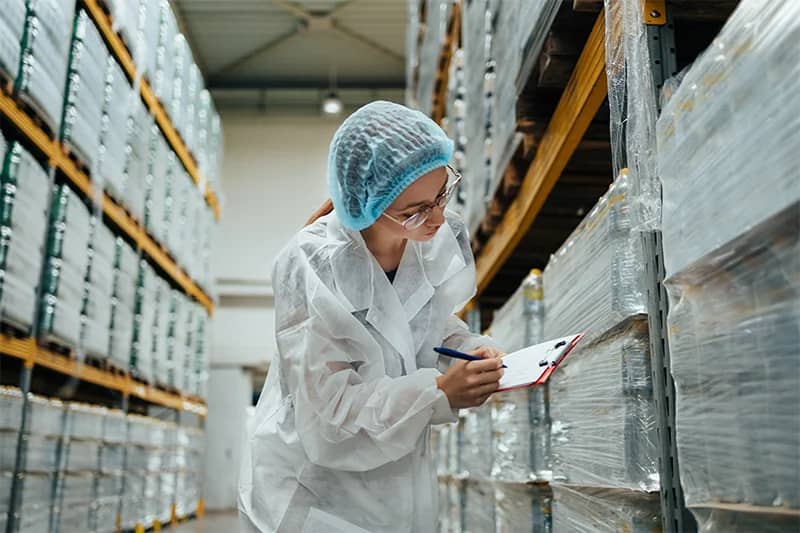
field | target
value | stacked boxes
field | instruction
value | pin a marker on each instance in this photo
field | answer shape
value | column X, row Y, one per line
column 117, row 97
column 98, row 290
column 83, row 101
column 65, row 268
column 733, row 273
column 141, row 362
column 593, row 509
column 190, row 451
column 44, row 56
column 24, row 188
column 156, row 185
column 123, row 303
column 11, row 31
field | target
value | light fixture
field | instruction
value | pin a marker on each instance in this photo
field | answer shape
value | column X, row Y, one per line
column 332, row 104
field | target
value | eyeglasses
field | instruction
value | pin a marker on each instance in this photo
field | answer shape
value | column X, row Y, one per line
column 421, row 217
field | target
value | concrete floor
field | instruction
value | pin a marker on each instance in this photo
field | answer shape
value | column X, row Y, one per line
column 213, row 522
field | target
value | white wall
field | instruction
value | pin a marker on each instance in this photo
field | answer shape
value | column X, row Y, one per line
column 273, row 179
column 229, row 394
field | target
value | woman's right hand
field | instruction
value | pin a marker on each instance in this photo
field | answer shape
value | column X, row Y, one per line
column 470, row 383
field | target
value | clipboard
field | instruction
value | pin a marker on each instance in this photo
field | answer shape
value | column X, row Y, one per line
column 535, row 364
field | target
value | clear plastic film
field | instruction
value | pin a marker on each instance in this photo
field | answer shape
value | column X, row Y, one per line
column 82, row 114
column 114, row 426
column 603, row 415
column 112, row 458
column 24, row 198
column 65, row 268
column 511, row 437
column 8, row 449
column 478, row 505
column 718, row 181
column 602, row 510
column 632, row 106
column 123, row 303
column 109, row 489
column 162, row 79
column 84, row 421
column 77, row 499
column 98, row 290
column 476, row 442
column 596, row 279
column 34, row 509
column 160, row 332
column 111, row 160
column 133, row 499
column 141, row 362
column 138, row 127
column 12, row 26
column 726, row 521
column 44, row 56
column 82, row 455
column 522, row 507
column 11, row 400
column 125, row 16
column 734, row 329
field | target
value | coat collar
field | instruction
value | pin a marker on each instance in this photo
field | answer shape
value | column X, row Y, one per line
column 362, row 284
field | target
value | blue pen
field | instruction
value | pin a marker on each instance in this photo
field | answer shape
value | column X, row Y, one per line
column 458, row 355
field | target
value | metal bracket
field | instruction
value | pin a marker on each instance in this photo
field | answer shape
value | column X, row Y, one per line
column 661, row 46
column 654, row 12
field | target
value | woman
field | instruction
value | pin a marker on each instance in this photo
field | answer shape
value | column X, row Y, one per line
column 340, row 437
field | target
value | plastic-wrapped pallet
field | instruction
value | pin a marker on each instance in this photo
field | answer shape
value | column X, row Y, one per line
column 215, row 145
column 180, row 195
column 601, row 510
column 112, row 458
column 725, row 521
column 536, row 18
column 75, row 502
column 734, row 329
column 65, row 268
column 132, row 194
column 706, row 157
column 603, row 416
column 144, row 311
column 181, row 63
column 85, row 422
column 596, row 279
column 156, row 185
column 476, row 442
column 440, row 436
column 98, row 290
column 162, row 78
column 476, row 170
column 10, row 422
column 133, row 499
column 191, row 112
column 160, row 332
column 109, row 489
column 147, row 36
column 123, row 302
column 12, row 26
column 24, row 195
column 205, row 109
column 437, row 16
column 115, row 427
column 152, row 497
column 44, row 56
column 514, row 438
column 519, row 507
column 116, row 100
column 453, row 505
column 478, row 511
column 33, row 515
column 83, row 101
column 125, row 17
column 201, row 361
column 176, row 338
column 632, row 105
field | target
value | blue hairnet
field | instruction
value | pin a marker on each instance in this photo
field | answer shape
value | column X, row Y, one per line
column 375, row 154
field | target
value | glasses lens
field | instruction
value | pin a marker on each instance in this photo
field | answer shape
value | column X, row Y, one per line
column 417, row 219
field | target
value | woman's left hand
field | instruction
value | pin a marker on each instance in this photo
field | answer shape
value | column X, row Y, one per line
column 487, row 352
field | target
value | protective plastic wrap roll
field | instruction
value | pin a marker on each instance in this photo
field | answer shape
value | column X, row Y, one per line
column 85, row 421
column 34, row 509
column 65, row 268
column 77, row 499
column 98, row 290
column 706, row 155
column 144, row 311
column 520, row 507
column 596, row 279
column 632, row 106
column 476, row 443
column 117, row 99
column 115, row 427
column 600, row 510
column 44, row 56
column 477, row 502
column 12, row 25
column 725, row 521
column 603, row 415
column 83, row 101
column 24, row 197
column 734, row 329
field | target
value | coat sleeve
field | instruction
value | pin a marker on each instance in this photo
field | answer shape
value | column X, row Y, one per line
column 344, row 421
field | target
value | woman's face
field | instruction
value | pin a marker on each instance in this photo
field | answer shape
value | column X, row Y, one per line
column 417, row 197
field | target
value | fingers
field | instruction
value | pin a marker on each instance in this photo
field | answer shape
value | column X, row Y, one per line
column 482, row 378
column 485, row 365
column 487, row 352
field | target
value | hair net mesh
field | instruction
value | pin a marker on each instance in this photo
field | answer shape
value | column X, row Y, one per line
column 375, row 154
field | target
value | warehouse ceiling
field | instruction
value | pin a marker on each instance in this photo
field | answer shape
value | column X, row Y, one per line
column 300, row 44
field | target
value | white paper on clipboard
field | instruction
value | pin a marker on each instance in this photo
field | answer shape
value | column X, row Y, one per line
column 534, row 364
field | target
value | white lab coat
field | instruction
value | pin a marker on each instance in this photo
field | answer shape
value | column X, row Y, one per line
column 340, row 437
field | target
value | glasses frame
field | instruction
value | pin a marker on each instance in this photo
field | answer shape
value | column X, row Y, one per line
column 421, row 217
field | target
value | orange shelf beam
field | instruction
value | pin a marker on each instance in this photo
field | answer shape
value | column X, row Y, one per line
column 148, row 96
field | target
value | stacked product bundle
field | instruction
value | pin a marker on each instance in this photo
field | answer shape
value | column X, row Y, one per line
column 123, row 303
column 12, row 26
column 111, row 470
column 733, row 275
column 97, row 291
column 141, row 361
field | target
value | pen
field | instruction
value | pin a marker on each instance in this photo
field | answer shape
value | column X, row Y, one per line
column 458, row 355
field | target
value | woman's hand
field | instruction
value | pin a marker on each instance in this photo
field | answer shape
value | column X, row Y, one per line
column 487, row 352
column 470, row 383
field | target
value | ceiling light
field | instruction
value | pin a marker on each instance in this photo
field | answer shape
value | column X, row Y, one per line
column 332, row 105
